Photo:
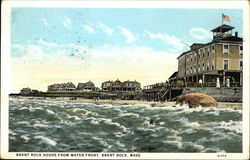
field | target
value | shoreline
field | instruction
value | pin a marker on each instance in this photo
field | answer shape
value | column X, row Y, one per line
column 232, row 105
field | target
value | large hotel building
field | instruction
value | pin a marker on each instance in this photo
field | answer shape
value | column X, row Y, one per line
column 220, row 59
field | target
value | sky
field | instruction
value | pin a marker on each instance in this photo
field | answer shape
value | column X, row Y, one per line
column 58, row 45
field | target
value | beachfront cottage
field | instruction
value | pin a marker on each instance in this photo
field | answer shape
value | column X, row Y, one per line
column 69, row 87
column 88, row 86
column 205, row 63
column 25, row 91
column 116, row 86
column 62, row 87
column 130, row 86
column 106, row 86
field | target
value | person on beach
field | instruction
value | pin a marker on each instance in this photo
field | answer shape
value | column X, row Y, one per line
column 200, row 82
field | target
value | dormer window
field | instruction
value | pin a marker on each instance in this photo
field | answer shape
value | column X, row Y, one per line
column 225, row 49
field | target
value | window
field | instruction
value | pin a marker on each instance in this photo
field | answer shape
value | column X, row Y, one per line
column 225, row 49
column 241, row 65
column 191, row 58
column 241, row 50
column 226, row 64
column 213, row 49
column 187, row 70
column 203, row 66
column 191, row 70
column 194, row 68
column 199, row 69
column 212, row 67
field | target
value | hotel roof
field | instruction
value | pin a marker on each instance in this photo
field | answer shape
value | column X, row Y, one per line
column 222, row 28
column 227, row 39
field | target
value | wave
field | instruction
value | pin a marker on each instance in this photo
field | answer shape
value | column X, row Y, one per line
column 49, row 111
column 214, row 149
column 79, row 110
column 46, row 140
column 39, row 124
column 31, row 109
column 25, row 138
column 178, row 144
column 23, row 122
column 115, row 128
column 234, row 126
column 12, row 133
column 193, row 145
column 89, row 113
column 187, row 123
column 129, row 114
column 73, row 117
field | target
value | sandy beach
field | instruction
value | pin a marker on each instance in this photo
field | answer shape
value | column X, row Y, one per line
column 231, row 105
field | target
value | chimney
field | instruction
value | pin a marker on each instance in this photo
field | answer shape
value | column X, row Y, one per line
column 236, row 34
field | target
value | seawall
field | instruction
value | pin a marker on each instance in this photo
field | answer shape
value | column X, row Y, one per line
column 220, row 94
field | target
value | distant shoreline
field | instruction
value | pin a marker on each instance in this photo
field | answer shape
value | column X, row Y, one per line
column 232, row 105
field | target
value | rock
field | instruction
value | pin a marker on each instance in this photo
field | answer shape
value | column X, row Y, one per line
column 196, row 99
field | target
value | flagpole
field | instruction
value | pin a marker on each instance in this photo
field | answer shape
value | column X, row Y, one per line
column 221, row 23
column 222, row 19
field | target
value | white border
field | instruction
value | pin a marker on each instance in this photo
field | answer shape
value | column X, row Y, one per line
column 5, row 69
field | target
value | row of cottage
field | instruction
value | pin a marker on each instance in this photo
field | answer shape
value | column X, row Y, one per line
column 90, row 86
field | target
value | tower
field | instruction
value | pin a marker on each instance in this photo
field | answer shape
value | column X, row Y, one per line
column 222, row 31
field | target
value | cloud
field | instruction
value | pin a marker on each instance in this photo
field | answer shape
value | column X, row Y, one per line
column 88, row 28
column 102, row 63
column 200, row 33
column 97, row 25
column 44, row 21
column 67, row 22
column 105, row 28
column 33, row 54
column 49, row 44
column 170, row 40
column 127, row 34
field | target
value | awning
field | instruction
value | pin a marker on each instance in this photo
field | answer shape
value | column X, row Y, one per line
column 212, row 73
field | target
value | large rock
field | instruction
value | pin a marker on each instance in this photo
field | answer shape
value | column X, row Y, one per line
column 196, row 99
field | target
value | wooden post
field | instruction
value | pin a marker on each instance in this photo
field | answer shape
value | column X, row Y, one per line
column 203, row 80
column 170, row 94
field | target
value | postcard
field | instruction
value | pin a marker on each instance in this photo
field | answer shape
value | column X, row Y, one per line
column 125, row 80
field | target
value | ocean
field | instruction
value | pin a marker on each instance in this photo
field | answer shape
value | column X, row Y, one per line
column 37, row 125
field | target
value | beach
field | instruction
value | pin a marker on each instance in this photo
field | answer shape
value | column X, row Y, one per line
column 231, row 105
